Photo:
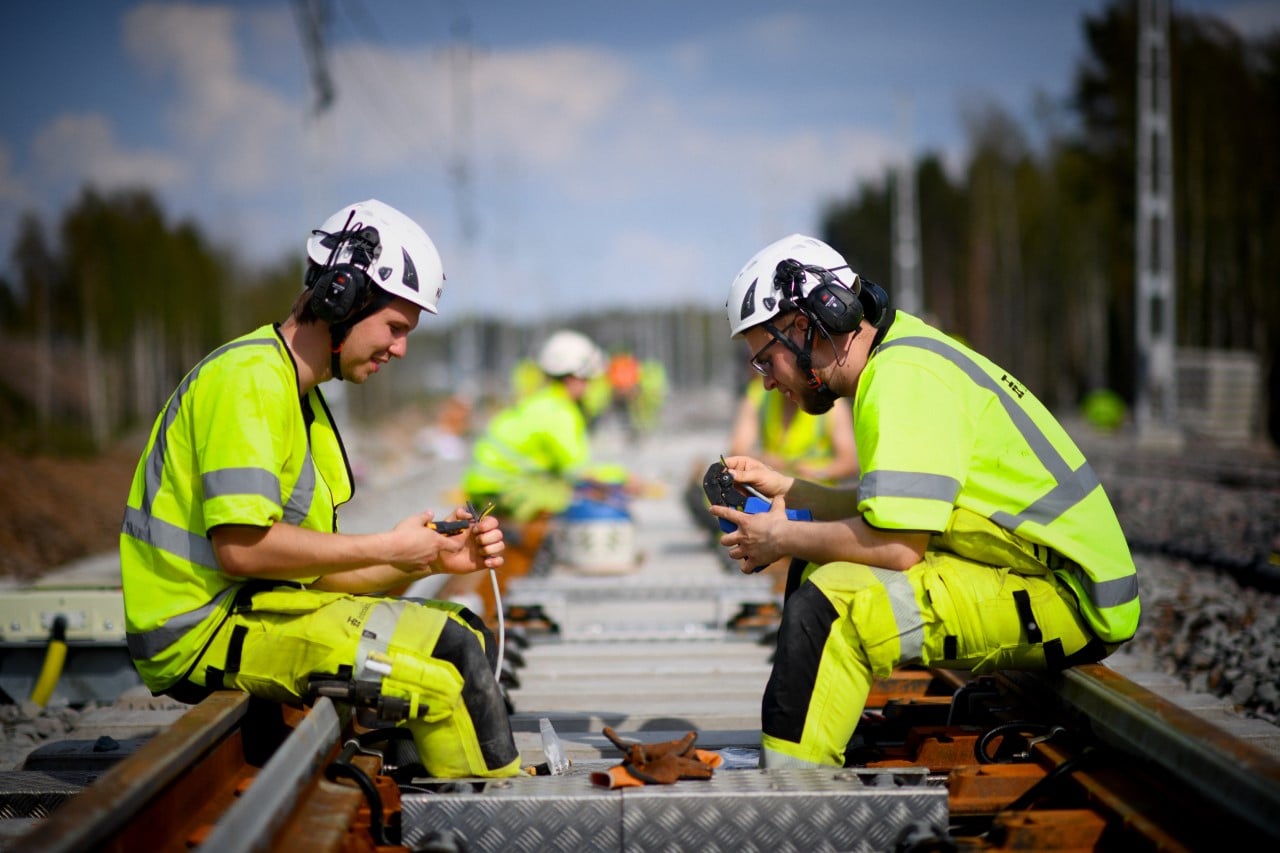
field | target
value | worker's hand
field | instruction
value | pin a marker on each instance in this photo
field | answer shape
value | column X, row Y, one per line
column 417, row 548
column 483, row 545
column 759, row 539
column 759, row 476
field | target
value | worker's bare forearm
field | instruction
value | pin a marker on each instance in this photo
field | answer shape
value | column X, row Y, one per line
column 852, row 540
column 287, row 552
column 366, row 580
column 826, row 503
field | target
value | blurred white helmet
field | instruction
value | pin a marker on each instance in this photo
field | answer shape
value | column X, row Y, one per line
column 753, row 299
column 568, row 353
column 403, row 261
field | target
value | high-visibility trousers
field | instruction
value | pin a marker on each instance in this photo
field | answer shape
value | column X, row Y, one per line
column 847, row 625
column 435, row 655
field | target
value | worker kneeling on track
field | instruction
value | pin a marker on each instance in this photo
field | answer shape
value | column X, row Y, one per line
column 978, row 537
column 234, row 572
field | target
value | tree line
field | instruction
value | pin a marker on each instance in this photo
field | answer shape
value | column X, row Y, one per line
column 1028, row 253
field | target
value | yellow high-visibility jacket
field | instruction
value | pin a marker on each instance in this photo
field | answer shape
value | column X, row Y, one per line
column 530, row 454
column 939, row 426
column 234, row 444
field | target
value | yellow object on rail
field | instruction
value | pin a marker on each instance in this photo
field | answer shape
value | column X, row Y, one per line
column 54, row 658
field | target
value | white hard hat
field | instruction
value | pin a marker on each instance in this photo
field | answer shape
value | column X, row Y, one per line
column 568, row 353
column 404, row 261
column 753, row 299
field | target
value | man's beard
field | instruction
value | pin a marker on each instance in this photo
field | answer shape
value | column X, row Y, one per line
column 817, row 401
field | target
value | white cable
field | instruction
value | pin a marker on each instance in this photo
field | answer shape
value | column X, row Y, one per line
column 502, row 624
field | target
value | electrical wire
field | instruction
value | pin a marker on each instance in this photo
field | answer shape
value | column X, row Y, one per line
column 497, row 595
column 502, row 624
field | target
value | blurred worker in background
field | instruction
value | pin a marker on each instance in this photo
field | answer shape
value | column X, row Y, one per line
column 636, row 392
column 978, row 537
column 535, row 455
column 235, row 574
column 774, row 429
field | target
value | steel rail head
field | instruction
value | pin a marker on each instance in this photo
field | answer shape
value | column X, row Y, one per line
column 103, row 809
column 1245, row 779
column 254, row 820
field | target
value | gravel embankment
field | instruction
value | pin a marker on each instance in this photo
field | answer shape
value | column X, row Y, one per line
column 1206, row 536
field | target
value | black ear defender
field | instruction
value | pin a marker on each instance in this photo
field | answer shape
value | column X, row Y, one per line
column 875, row 303
column 831, row 304
column 342, row 289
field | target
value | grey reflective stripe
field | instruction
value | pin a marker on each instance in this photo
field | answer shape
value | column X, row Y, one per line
column 521, row 466
column 299, row 503
column 151, row 643
column 1073, row 484
column 241, row 481
column 908, row 484
column 155, row 459
column 773, row 760
column 375, row 636
column 164, row 536
column 1111, row 593
column 906, row 612
column 1055, row 502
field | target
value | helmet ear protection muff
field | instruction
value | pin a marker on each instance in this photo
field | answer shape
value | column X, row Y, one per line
column 830, row 304
column 875, row 303
column 341, row 289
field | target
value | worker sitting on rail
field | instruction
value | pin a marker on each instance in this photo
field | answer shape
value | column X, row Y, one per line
column 235, row 574
column 978, row 537
column 534, row 454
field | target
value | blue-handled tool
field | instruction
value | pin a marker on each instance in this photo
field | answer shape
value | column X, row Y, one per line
column 722, row 490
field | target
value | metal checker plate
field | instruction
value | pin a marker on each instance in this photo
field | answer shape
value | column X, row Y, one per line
column 778, row 810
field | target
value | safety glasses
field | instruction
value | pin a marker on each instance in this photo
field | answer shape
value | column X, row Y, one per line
column 779, row 335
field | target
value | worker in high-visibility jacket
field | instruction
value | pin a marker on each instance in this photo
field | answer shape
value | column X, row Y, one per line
column 773, row 428
column 534, row 458
column 235, row 574
column 977, row 538
column 533, row 453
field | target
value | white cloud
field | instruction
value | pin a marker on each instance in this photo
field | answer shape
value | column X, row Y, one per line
column 550, row 104
column 73, row 149
column 241, row 133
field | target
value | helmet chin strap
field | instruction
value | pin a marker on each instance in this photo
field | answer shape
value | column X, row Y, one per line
column 335, row 363
column 337, row 335
column 804, row 360
column 338, row 331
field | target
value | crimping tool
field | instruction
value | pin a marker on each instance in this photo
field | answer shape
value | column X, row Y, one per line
column 453, row 528
column 722, row 490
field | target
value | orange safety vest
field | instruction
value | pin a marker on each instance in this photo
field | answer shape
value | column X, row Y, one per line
column 624, row 372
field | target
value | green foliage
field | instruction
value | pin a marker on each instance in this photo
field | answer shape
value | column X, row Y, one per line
column 110, row 321
column 1104, row 410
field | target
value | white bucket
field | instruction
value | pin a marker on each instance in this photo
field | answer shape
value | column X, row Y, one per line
column 596, row 539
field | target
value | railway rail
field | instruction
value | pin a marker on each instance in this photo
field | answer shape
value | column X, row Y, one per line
column 1082, row 760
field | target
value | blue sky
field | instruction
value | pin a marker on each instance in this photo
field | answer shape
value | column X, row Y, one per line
column 562, row 155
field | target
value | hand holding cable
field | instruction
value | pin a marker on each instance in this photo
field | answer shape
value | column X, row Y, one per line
column 417, row 548
column 481, row 542
column 755, row 476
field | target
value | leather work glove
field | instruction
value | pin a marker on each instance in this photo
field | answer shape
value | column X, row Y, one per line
column 657, row 763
